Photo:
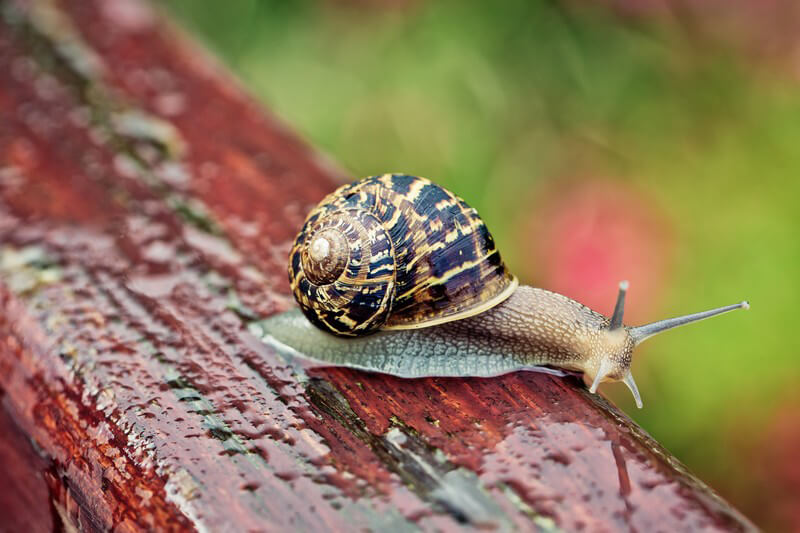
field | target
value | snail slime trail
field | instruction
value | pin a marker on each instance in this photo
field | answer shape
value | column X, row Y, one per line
column 395, row 274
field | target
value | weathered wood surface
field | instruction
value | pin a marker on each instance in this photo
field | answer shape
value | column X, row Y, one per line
column 146, row 210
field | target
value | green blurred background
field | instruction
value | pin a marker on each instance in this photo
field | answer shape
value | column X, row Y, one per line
column 652, row 141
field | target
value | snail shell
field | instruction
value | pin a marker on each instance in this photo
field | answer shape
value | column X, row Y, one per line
column 395, row 252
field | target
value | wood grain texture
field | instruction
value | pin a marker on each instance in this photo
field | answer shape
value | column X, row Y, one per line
column 147, row 207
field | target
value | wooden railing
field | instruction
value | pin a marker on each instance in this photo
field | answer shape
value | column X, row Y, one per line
column 146, row 210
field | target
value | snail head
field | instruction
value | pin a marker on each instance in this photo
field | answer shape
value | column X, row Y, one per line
column 611, row 357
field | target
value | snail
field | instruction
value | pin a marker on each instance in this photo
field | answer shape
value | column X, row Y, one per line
column 395, row 274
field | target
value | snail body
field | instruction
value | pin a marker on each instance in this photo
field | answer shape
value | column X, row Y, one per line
column 495, row 342
column 396, row 275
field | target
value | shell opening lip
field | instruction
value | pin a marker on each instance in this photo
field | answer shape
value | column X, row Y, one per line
column 484, row 306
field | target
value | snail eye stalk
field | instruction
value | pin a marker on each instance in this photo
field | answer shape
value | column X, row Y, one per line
column 640, row 333
column 619, row 308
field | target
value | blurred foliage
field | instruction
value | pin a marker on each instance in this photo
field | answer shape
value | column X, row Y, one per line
column 499, row 100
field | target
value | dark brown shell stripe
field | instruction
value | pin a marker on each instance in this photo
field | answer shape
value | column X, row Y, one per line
column 445, row 262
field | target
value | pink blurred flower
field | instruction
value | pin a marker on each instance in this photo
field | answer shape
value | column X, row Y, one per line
column 592, row 234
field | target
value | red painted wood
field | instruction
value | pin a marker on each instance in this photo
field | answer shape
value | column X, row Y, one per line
column 147, row 206
column 27, row 507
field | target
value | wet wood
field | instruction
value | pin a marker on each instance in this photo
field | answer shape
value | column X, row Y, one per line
column 146, row 210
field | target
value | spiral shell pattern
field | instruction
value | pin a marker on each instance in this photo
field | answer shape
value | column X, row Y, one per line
column 395, row 252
